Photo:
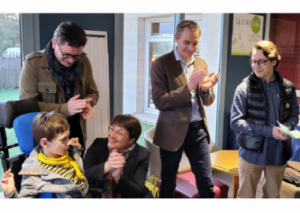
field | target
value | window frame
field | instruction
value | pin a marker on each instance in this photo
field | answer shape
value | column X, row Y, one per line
column 148, row 39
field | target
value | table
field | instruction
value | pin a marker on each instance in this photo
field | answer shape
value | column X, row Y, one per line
column 226, row 161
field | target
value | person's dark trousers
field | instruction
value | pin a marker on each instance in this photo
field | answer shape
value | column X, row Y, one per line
column 196, row 148
column 75, row 129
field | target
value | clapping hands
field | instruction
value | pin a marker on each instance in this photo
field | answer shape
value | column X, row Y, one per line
column 209, row 81
column 195, row 79
column 115, row 163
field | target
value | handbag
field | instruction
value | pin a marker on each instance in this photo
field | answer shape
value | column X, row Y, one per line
column 151, row 184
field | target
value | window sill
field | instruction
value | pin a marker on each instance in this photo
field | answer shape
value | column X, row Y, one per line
column 146, row 118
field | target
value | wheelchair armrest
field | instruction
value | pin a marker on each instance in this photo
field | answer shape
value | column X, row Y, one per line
column 15, row 164
column 96, row 192
column 4, row 162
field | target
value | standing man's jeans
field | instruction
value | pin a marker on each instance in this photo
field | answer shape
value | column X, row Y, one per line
column 196, row 148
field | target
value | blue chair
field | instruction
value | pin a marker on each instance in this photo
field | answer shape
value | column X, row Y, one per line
column 22, row 127
column 9, row 110
column 18, row 114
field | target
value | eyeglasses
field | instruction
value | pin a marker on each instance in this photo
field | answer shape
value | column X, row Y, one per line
column 68, row 56
column 119, row 133
column 259, row 62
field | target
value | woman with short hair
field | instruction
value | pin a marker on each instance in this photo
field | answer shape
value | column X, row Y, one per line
column 117, row 163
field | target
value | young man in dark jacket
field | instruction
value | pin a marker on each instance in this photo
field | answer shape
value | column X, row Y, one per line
column 262, row 99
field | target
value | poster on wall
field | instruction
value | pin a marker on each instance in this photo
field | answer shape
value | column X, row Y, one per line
column 247, row 30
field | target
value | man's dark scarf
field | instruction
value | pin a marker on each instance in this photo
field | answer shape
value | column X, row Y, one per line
column 66, row 76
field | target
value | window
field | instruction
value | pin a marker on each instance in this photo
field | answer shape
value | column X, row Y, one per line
column 10, row 62
column 10, row 68
column 159, row 41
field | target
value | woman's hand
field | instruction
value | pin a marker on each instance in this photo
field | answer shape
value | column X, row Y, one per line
column 115, row 160
column 116, row 173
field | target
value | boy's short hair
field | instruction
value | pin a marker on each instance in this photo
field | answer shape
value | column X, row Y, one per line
column 48, row 125
column 130, row 123
column 269, row 50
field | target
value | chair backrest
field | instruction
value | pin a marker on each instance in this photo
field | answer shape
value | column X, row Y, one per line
column 155, row 164
column 154, row 159
column 9, row 110
column 22, row 127
column 13, row 114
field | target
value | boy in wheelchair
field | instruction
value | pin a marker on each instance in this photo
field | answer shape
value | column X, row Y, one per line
column 51, row 167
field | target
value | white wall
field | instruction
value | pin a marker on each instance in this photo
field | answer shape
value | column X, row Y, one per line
column 130, row 63
column 210, row 52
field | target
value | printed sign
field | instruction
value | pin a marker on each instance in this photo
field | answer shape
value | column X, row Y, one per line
column 247, row 30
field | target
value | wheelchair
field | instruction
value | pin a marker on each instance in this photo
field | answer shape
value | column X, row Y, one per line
column 19, row 115
column 9, row 111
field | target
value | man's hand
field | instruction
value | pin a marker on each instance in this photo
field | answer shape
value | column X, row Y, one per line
column 209, row 81
column 115, row 160
column 8, row 183
column 87, row 111
column 278, row 134
column 76, row 105
column 74, row 142
column 195, row 79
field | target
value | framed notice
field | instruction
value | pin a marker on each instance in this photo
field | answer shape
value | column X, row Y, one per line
column 247, row 30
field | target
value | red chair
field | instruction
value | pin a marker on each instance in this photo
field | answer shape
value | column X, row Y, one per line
column 186, row 187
